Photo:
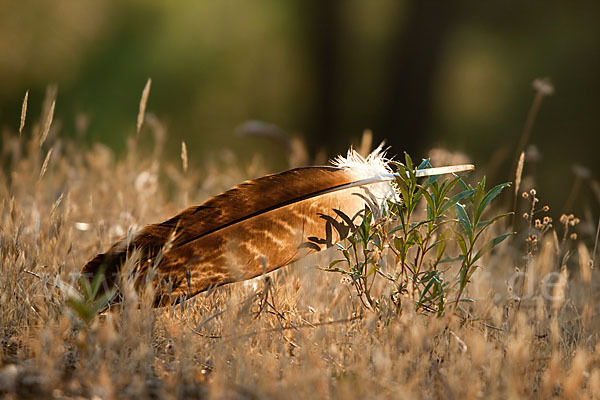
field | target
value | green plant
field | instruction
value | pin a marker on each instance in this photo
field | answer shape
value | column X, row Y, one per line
column 419, row 243
column 86, row 303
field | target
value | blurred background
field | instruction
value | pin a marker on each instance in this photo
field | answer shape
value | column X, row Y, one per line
column 420, row 74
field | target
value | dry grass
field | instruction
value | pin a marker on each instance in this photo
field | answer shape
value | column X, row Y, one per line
column 299, row 333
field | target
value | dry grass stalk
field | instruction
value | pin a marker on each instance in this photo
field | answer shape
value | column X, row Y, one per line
column 23, row 113
column 45, row 164
column 366, row 143
column 143, row 102
column 184, row 157
column 47, row 350
column 518, row 176
column 585, row 263
column 519, row 173
column 48, row 123
column 543, row 88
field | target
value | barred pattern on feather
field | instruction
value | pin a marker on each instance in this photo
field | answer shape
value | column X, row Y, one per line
column 255, row 227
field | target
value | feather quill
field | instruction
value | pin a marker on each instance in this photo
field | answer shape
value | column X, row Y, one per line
column 255, row 227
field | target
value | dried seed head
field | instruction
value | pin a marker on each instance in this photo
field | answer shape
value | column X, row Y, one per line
column 563, row 219
column 525, row 215
column 525, row 195
column 532, row 192
column 580, row 171
column 143, row 103
column 544, row 86
column 573, row 236
column 48, row 123
column 546, row 208
column 23, row 112
column 45, row 164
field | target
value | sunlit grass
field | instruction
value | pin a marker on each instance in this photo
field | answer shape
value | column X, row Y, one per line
column 298, row 332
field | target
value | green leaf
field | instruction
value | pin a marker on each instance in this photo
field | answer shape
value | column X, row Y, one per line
column 490, row 245
column 377, row 240
column 495, row 191
column 81, row 308
column 477, row 198
column 487, row 199
column 416, row 237
column 408, row 162
column 472, row 271
column 426, row 289
column 485, row 224
column 335, row 262
column 103, row 301
column 399, row 244
column 464, row 220
column 371, row 270
column 418, row 193
column 456, row 198
column 428, row 199
column 446, row 187
column 90, row 289
column 462, row 244
column 346, row 254
column 462, row 183
column 424, row 164
column 403, row 187
column 450, row 259
column 396, row 229
column 365, row 230
column 442, row 247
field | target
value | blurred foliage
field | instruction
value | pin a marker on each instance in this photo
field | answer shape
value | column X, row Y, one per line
column 419, row 73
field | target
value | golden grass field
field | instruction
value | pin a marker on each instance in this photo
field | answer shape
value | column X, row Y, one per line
column 300, row 333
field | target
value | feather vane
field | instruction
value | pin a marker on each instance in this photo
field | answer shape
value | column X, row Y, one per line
column 255, row 227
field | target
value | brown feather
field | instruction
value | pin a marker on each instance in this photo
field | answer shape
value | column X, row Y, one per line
column 259, row 225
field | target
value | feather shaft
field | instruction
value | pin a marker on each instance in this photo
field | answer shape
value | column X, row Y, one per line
column 420, row 173
column 444, row 170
